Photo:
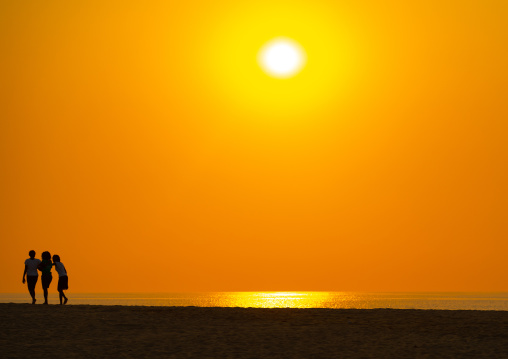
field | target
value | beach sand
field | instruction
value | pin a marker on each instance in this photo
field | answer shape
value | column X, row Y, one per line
column 79, row 331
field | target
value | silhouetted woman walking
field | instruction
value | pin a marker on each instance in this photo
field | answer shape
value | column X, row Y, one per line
column 46, row 278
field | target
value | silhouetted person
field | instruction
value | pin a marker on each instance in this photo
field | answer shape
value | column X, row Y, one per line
column 63, row 280
column 31, row 273
column 46, row 277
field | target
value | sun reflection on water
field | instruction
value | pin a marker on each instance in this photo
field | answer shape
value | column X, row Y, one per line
column 280, row 299
column 330, row 300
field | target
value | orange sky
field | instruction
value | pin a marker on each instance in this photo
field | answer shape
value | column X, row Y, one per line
column 141, row 142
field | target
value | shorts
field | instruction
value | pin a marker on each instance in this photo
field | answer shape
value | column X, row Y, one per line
column 46, row 280
column 63, row 283
column 31, row 281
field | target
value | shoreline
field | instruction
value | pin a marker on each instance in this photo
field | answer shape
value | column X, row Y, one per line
column 40, row 303
column 336, row 300
column 82, row 330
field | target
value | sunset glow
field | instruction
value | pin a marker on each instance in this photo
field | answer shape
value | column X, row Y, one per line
column 268, row 145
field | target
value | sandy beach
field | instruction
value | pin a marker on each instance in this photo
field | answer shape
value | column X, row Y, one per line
column 78, row 331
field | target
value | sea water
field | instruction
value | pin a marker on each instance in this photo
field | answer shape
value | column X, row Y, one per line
column 335, row 300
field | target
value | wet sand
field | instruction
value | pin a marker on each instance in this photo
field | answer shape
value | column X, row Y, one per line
column 79, row 331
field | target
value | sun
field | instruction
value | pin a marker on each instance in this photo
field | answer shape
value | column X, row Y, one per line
column 282, row 57
column 297, row 61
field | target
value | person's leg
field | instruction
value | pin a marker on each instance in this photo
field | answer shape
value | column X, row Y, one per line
column 60, row 294
column 45, row 289
column 46, row 281
column 32, row 294
column 63, row 284
column 31, row 282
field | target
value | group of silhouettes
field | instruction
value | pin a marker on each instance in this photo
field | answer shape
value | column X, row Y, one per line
column 32, row 268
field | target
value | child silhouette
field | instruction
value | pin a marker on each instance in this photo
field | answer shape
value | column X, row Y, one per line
column 63, row 280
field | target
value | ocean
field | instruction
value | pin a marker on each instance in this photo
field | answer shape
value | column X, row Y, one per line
column 332, row 300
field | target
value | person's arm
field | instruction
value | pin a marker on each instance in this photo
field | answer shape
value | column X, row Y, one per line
column 24, row 273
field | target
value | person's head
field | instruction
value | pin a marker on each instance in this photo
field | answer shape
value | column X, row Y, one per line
column 31, row 254
column 46, row 255
column 56, row 258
